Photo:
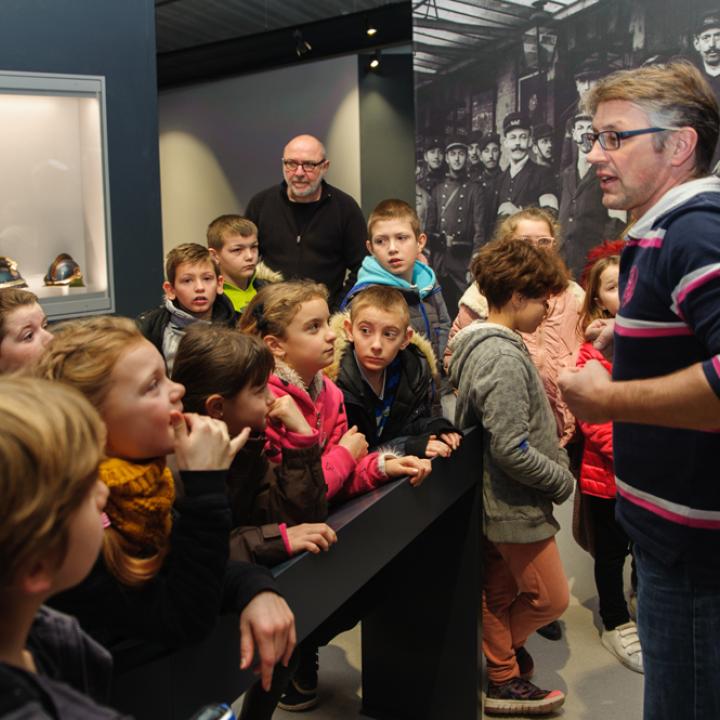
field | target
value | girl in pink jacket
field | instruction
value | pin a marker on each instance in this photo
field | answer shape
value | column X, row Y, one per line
column 292, row 320
column 597, row 476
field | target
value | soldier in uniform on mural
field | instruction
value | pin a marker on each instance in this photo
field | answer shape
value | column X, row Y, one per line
column 584, row 220
column 524, row 183
column 706, row 41
column 586, row 77
column 475, row 166
column 542, row 137
column 434, row 170
column 455, row 225
column 489, row 152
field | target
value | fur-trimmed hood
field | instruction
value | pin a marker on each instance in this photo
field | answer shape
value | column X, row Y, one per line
column 342, row 344
column 267, row 274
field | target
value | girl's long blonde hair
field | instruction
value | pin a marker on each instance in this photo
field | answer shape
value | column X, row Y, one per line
column 83, row 355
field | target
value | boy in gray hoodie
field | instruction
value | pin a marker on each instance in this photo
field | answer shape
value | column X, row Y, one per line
column 525, row 471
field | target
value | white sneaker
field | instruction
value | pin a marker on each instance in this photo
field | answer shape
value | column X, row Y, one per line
column 624, row 643
column 632, row 605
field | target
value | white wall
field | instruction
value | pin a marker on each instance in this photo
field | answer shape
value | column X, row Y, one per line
column 221, row 142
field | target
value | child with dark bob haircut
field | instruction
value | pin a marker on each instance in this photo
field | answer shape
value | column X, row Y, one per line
column 524, row 469
column 277, row 506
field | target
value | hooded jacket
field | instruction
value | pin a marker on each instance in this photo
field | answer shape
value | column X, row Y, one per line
column 410, row 423
column 428, row 313
column 165, row 325
column 263, row 495
column 323, row 406
column 524, row 469
column 553, row 346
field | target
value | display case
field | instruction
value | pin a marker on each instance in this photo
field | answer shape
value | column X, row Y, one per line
column 54, row 190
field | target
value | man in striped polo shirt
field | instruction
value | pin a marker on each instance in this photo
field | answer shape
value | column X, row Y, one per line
column 654, row 133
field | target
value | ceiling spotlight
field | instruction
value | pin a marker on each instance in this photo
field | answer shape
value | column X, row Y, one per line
column 302, row 46
column 375, row 62
column 370, row 28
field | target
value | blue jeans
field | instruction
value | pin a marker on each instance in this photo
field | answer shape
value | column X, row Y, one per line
column 679, row 628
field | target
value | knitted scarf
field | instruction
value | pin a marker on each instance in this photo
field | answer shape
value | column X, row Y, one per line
column 140, row 502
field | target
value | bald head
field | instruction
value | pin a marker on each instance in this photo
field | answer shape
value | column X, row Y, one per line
column 306, row 144
column 304, row 166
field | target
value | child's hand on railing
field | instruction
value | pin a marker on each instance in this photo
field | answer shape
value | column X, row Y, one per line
column 312, row 537
column 436, row 448
column 451, row 439
column 415, row 468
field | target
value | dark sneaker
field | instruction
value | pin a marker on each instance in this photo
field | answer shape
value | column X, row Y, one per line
column 521, row 697
column 297, row 698
column 525, row 663
column 301, row 692
column 551, row 631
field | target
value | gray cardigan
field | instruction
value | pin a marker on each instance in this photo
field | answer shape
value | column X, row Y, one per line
column 525, row 469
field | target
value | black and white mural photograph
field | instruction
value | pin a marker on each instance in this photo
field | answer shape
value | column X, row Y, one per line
column 499, row 86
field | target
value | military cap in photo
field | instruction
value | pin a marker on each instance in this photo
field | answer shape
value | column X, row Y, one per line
column 710, row 19
column 581, row 116
column 435, row 141
column 515, row 120
column 475, row 137
column 488, row 138
column 455, row 141
column 543, row 130
column 590, row 69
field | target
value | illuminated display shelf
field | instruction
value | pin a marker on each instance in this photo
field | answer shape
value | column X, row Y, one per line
column 54, row 188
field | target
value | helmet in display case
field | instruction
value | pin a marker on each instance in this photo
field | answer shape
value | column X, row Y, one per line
column 9, row 275
column 64, row 271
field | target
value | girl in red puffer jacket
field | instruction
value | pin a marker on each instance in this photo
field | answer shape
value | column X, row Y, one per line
column 597, row 476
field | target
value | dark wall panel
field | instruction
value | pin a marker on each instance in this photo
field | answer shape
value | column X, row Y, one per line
column 387, row 130
column 117, row 40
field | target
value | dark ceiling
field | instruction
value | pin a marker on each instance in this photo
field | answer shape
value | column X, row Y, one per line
column 201, row 39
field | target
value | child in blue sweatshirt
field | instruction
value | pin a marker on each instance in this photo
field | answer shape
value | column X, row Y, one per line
column 395, row 243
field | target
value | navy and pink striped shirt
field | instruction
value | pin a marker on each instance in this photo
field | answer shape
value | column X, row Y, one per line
column 667, row 479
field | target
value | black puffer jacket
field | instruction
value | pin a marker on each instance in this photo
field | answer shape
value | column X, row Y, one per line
column 410, row 424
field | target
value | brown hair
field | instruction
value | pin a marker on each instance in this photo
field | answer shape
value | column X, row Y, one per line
column 393, row 209
column 217, row 359
column 503, row 267
column 275, row 306
column 673, row 95
column 51, row 442
column 83, row 355
column 11, row 299
column 229, row 225
column 506, row 228
column 590, row 309
column 191, row 253
column 381, row 297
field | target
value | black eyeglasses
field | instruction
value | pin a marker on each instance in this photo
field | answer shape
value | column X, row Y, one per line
column 307, row 165
column 610, row 139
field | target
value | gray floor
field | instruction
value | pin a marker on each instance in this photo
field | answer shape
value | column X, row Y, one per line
column 597, row 686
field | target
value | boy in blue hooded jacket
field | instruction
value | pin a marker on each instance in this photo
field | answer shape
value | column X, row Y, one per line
column 395, row 242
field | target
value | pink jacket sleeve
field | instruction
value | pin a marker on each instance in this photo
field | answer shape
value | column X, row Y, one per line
column 599, row 434
column 344, row 477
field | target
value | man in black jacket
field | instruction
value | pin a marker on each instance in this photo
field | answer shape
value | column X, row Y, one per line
column 307, row 228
